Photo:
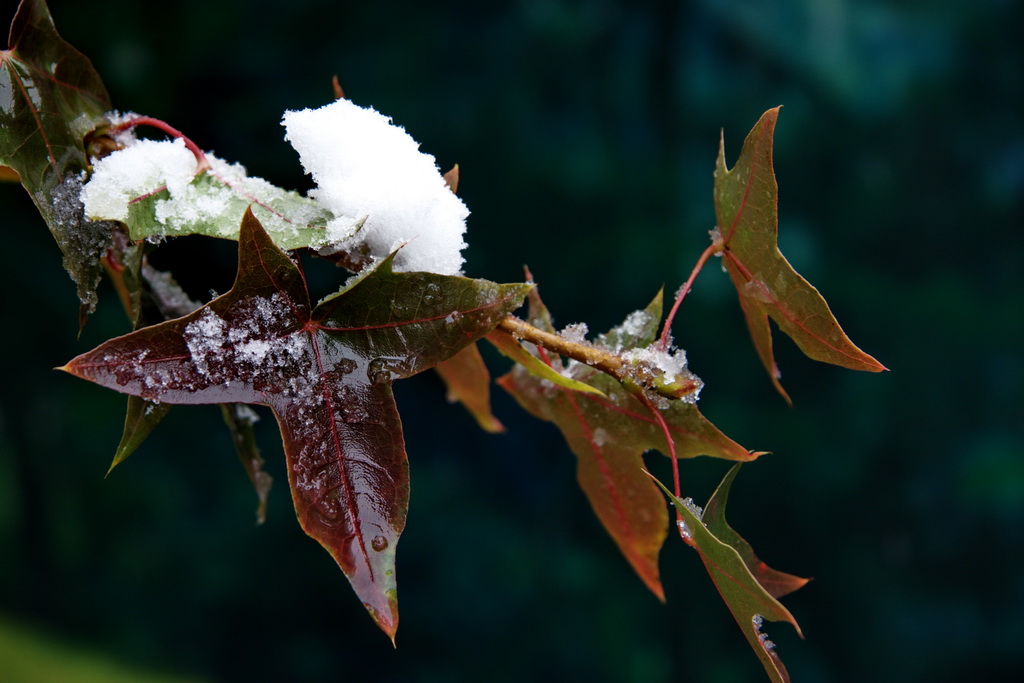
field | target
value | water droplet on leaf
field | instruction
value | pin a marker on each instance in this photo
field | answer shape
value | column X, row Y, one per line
column 378, row 371
column 431, row 294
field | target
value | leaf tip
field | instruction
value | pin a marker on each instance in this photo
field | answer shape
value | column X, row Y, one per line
column 386, row 622
column 119, row 457
column 778, row 387
column 451, row 179
column 492, row 425
column 874, row 366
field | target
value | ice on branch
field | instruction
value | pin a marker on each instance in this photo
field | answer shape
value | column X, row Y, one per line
column 665, row 367
column 367, row 168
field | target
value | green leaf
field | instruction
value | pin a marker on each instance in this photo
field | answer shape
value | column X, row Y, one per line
column 750, row 602
column 148, row 297
column 326, row 372
column 141, row 418
column 291, row 220
column 746, row 207
column 50, row 98
column 609, row 435
column 776, row 583
column 514, row 349
column 468, row 381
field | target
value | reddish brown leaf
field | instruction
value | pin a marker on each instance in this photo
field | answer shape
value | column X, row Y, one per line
column 48, row 85
column 451, row 179
column 609, row 435
column 469, row 382
column 746, row 206
column 326, row 373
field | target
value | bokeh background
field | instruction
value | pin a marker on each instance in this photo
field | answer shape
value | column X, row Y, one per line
column 586, row 133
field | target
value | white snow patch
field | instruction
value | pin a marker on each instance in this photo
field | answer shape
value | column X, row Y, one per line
column 146, row 167
column 367, row 168
column 134, row 171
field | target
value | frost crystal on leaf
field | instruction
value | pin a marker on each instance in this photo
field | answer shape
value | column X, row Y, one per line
column 757, row 620
column 367, row 168
column 697, row 510
column 635, row 323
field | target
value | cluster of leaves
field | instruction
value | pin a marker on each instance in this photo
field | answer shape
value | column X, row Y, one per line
column 326, row 370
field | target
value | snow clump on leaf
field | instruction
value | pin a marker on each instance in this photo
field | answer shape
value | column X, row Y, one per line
column 147, row 165
column 367, row 168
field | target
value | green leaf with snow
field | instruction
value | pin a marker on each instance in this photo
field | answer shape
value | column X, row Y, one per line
column 750, row 602
column 153, row 188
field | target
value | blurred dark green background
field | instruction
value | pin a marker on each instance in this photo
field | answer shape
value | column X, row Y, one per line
column 586, row 134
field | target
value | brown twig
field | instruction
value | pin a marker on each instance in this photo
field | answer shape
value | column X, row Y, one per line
column 632, row 374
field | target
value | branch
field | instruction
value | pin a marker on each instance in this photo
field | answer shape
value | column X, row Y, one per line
column 633, row 374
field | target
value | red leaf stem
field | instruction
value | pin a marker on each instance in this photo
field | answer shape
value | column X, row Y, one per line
column 714, row 248
column 201, row 162
column 668, row 440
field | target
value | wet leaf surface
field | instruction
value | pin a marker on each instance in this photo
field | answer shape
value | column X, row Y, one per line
column 50, row 98
column 326, row 372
